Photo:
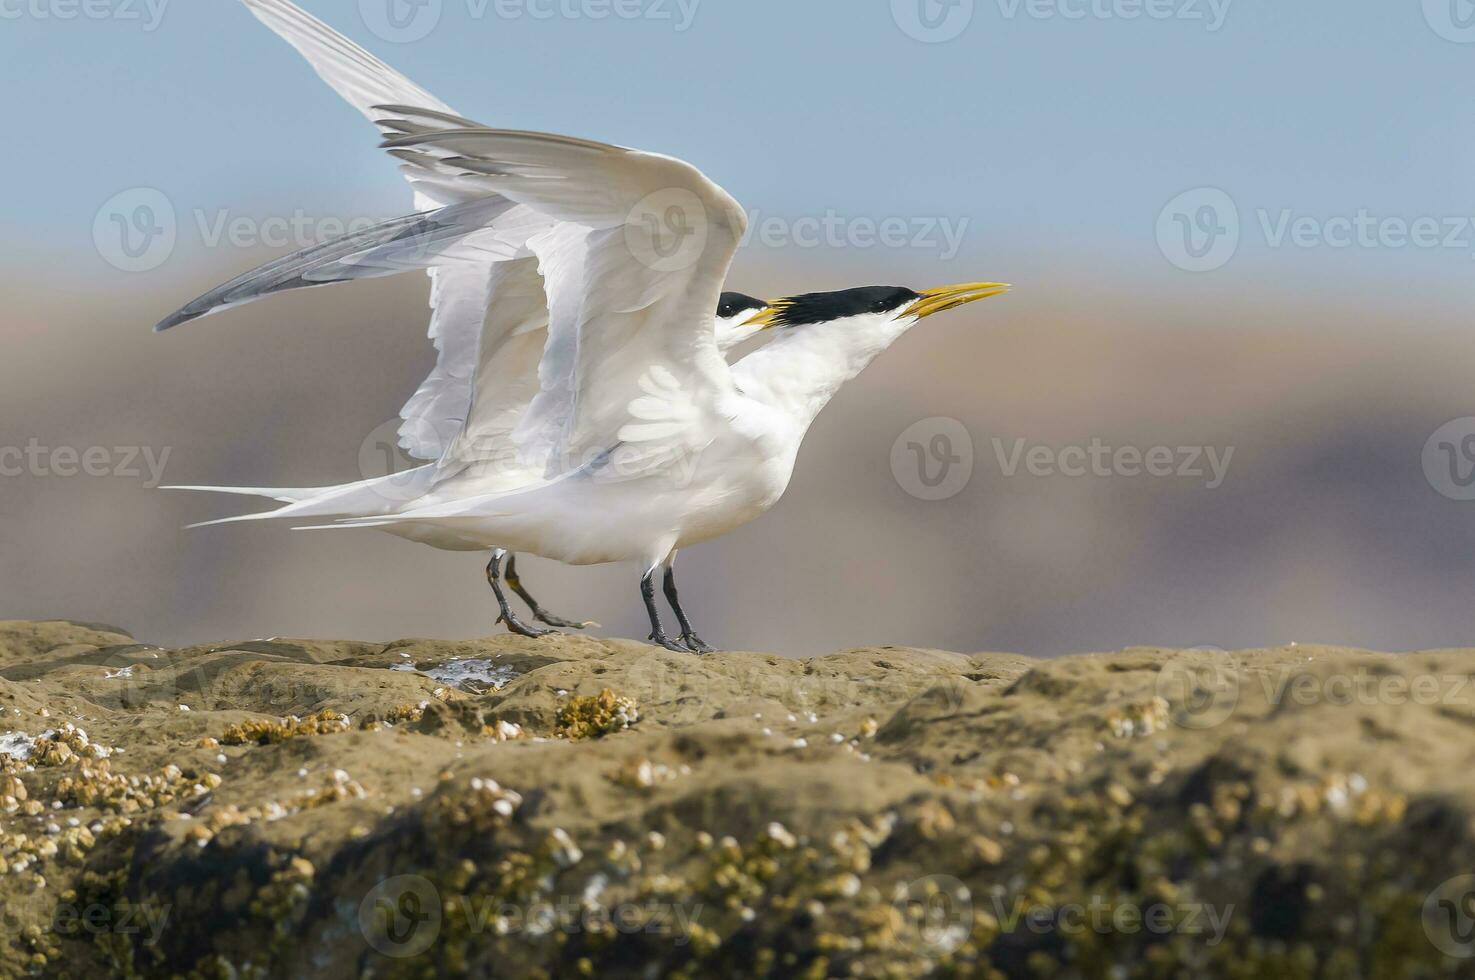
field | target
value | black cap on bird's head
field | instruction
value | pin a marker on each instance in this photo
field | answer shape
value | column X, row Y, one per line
column 733, row 304
column 899, row 301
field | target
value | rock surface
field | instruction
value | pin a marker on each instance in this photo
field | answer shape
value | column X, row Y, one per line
column 570, row 806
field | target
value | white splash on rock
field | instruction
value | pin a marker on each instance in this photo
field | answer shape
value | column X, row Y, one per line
column 464, row 672
column 17, row 745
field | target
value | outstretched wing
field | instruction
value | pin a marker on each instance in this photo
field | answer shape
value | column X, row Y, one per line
column 633, row 273
column 461, row 232
column 360, row 78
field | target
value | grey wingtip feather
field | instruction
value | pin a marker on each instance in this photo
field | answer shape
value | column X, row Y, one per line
column 177, row 318
column 400, row 109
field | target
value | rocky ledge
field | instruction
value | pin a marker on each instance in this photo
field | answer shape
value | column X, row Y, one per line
column 570, row 806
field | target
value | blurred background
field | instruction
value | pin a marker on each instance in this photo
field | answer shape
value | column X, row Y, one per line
column 1241, row 231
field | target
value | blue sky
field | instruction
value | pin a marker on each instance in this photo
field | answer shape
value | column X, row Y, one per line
column 1056, row 129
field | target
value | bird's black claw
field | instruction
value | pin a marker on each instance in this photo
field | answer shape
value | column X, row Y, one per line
column 560, row 622
column 661, row 639
column 696, row 644
column 515, row 625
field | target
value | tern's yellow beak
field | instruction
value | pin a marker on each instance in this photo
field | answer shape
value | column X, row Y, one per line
column 766, row 316
column 951, row 297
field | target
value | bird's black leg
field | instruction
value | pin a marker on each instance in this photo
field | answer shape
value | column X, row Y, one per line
column 688, row 636
column 539, row 613
column 657, row 631
column 508, row 617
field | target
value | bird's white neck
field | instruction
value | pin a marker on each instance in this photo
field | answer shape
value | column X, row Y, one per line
column 799, row 372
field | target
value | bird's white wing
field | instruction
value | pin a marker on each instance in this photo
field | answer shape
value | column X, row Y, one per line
column 633, row 273
column 505, row 380
column 465, row 320
column 360, row 78
column 460, row 232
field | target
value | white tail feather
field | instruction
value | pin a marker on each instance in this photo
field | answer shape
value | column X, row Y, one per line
column 287, row 495
column 366, row 499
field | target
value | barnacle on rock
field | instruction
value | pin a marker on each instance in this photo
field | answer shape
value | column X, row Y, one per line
column 269, row 732
column 584, row 716
column 97, row 785
column 504, row 731
column 642, row 773
column 1140, row 719
column 394, row 716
